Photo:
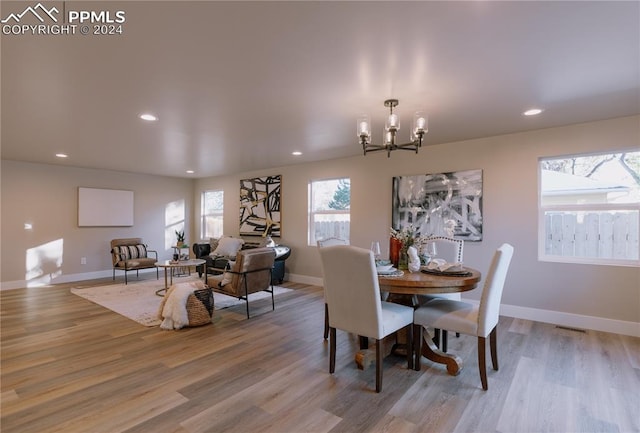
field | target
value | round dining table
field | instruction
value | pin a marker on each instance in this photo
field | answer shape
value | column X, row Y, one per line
column 405, row 289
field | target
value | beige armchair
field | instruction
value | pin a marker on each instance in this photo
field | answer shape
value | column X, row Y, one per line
column 250, row 273
column 131, row 254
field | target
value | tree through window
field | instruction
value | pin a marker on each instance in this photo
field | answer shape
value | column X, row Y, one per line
column 329, row 209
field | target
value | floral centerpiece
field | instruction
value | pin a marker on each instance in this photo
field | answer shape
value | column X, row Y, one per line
column 400, row 242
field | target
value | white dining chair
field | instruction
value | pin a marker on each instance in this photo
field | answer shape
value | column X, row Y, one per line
column 448, row 248
column 328, row 242
column 321, row 244
column 476, row 320
column 352, row 294
column 451, row 250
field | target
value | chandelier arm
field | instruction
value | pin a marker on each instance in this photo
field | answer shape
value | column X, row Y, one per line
column 374, row 148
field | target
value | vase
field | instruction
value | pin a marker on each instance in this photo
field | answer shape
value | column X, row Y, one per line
column 403, row 259
column 394, row 251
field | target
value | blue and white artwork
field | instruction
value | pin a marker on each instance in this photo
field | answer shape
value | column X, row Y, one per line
column 440, row 204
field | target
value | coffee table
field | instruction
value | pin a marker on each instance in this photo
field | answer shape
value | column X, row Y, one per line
column 169, row 265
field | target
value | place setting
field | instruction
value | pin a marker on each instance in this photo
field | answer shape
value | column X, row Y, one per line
column 384, row 267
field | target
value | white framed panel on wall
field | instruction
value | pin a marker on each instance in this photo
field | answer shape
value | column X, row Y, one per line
column 104, row 207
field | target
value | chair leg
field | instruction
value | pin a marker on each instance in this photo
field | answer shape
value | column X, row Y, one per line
column 482, row 362
column 246, row 295
column 409, row 329
column 417, row 346
column 364, row 342
column 445, row 337
column 326, row 321
column 436, row 337
column 125, row 278
column 273, row 300
column 493, row 343
column 332, row 350
column 379, row 365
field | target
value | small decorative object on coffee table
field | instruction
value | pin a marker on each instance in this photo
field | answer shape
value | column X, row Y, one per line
column 180, row 238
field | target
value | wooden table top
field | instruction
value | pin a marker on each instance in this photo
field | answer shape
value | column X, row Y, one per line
column 420, row 283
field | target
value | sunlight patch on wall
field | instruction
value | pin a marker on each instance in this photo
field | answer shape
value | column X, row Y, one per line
column 44, row 263
column 174, row 217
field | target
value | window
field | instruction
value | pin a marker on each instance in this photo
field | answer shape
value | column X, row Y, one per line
column 329, row 209
column 589, row 208
column 212, row 208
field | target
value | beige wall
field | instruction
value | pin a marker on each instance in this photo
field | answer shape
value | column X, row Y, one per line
column 46, row 196
column 509, row 165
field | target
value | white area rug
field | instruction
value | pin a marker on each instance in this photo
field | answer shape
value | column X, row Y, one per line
column 138, row 300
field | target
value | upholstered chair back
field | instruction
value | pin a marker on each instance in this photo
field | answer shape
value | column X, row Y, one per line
column 127, row 248
column 255, row 266
column 352, row 291
column 447, row 248
column 489, row 309
column 331, row 242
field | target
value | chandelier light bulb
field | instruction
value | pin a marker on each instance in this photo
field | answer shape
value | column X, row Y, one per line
column 387, row 137
column 393, row 122
column 419, row 125
column 363, row 126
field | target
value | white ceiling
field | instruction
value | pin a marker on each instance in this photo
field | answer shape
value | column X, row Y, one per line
column 238, row 86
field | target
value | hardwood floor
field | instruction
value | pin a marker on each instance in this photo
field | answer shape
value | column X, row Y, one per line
column 69, row 365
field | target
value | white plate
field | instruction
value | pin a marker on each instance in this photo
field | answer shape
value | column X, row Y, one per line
column 387, row 272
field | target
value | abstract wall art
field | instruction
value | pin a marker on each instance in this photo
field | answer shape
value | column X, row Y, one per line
column 260, row 206
column 440, row 204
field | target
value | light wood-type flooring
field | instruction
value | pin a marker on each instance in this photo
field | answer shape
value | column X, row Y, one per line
column 69, row 365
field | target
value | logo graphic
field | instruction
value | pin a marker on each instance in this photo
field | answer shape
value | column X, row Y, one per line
column 34, row 11
column 41, row 20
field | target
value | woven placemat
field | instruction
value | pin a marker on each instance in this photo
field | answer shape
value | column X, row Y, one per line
column 447, row 273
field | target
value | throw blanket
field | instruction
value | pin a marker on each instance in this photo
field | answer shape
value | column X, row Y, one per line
column 174, row 312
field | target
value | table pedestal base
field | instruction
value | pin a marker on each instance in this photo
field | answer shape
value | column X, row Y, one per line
column 432, row 353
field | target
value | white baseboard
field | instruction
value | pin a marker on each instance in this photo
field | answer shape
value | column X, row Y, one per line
column 547, row 316
column 48, row 280
column 304, row 279
column 568, row 319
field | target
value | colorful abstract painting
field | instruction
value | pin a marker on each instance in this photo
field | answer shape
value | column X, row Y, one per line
column 440, row 204
column 260, row 206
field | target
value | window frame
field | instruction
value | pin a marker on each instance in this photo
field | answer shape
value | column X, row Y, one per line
column 543, row 256
column 204, row 214
column 311, row 232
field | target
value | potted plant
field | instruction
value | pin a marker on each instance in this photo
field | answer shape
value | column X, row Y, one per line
column 180, row 237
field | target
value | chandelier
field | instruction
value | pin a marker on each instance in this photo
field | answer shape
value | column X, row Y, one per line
column 418, row 129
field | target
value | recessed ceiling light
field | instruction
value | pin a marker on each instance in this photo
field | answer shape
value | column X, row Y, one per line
column 62, row 155
column 148, row 117
column 190, row 171
column 532, row 112
column 296, row 153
